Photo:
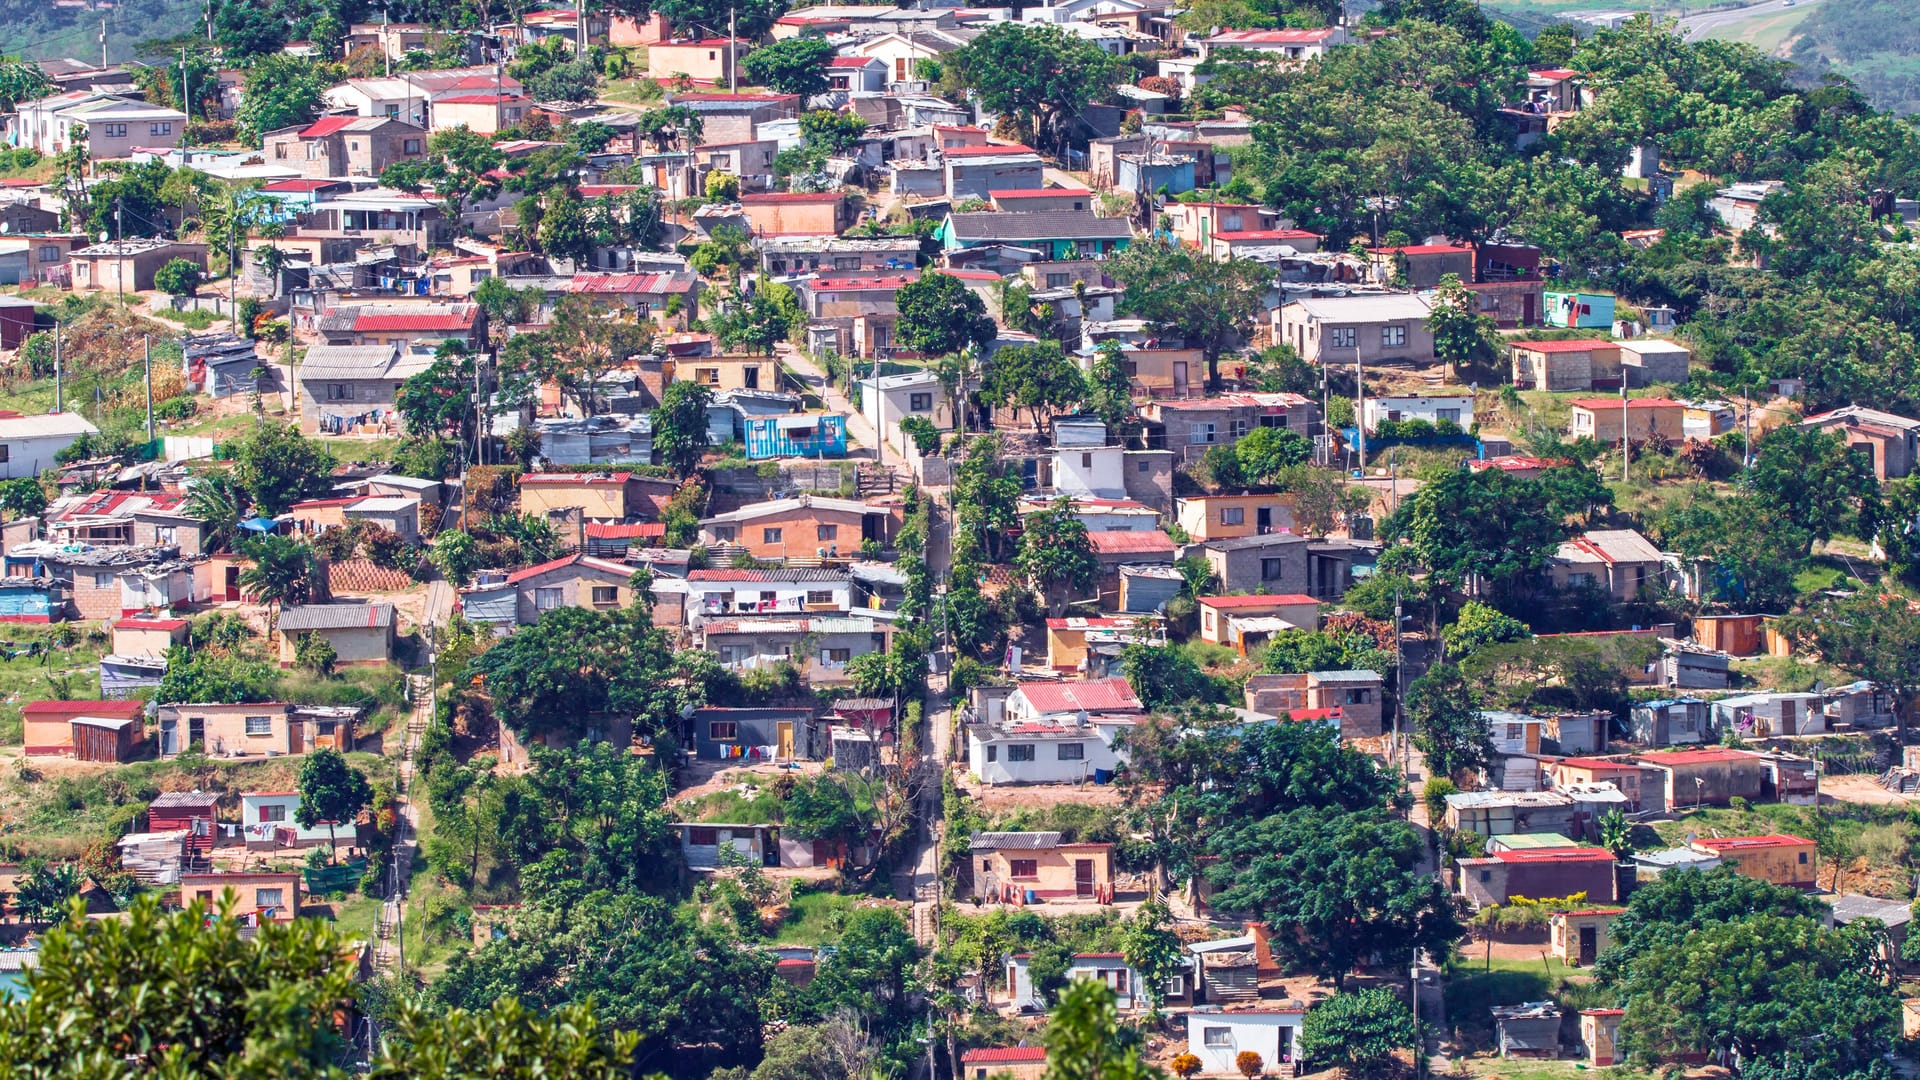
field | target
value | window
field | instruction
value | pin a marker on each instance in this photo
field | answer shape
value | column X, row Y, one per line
column 709, row 376
column 316, row 151
column 1177, row 986
column 1486, row 876
column 353, row 146
column 1803, row 857
column 339, row 392
column 1020, row 752
column 273, row 812
column 819, row 596
column 1359, row 697
column 1237, row 428
column 115, row 131
column 1057, row 281
column 1233, row 515
column 1086, row 461
column 920, row 402
column 1272, row 569
column 546, row 599
column 1279, row 421
column 771, row 536
column 826, row 532
column 1072, row 751
column 49, row 254
column 703, row 837
column 1146, row 466
column 410, row 146
column 393, row 112
column 1515, row 732
column 1392, row 337
column 165, row 127
column 1199, row 434
column 269, row 898
column 606, row 595
column 103, row 579
column 1216, row 1037
column 846, row 263
column 723, row 533
column 259, row 725
column 722, row 730
column 1447, row 414
column 1024, row 868
column 836, row 656
column 280, row 151
column 993, row 753
column 1343, row 337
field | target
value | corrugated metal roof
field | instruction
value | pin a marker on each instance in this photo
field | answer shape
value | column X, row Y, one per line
column 337, row 617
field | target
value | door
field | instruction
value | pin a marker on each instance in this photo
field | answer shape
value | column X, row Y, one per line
column 197, row 732
column 233, row 583
column 169, row 738
column 1589, row 945
column 1789, row 725
column 1180, row 378
column 785, row 740
column 1263, row 518
column 1083, row 877
column 752, row 377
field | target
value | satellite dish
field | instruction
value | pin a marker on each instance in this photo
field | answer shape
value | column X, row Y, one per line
column 5, row 226
column 103, row 235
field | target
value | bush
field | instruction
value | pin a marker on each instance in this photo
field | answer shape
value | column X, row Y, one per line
column 175, row 408
column 203, row 132
column 179, row 277
column 315, row 653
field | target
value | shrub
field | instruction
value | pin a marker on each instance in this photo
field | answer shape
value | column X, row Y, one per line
column 179, row 277
column 315, row 653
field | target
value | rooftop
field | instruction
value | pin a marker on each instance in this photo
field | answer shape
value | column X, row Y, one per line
column 336, row 617
column 1091, row 696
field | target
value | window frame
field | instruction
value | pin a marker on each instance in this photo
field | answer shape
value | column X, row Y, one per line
column 723, row 731
column 263, row 729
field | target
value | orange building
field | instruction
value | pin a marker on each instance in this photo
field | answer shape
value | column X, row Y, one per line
column 1776, row 857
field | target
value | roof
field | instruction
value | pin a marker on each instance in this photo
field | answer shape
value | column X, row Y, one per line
column 804, row 502
column 1712, row 755
column 777, row 197
column 337, row 617
column 45, row 425
column 1038, row 193
column 1723, row 844
column 1233, row 235
column 588, row 561
column 990, row 150
column 1005, row 1055
column 1096, row 695
column 538, row 479
column 1556, row 855
column 1013, row 841
column 1038, row 225
column 348, row 361
column 91, row 708
column 768, row 575
column 626, row 532
column 1381, row 307
column 461, row 318
column 478, row 99
column 1258, row 600
column 1273, row 37
column 1576, row 345
column 1609, row 546
column 1130, row 543
column 190, row 800
column 135, row 622
column 326, row 125
column 1850, row 906
column 1599, row 403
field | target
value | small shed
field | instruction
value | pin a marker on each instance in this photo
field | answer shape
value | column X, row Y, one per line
column 112, row 739
column 1528, row 1030
column 192, row 811
column 1579, row 937
column 854, row 750
column 1735, row 635
column 138, row 635
column 1896, row 915
column 122, row 675
column 1600, row 1035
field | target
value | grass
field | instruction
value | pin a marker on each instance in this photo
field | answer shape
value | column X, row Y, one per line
column 815, row 918
column 195, row 319
column 638, row 90
column 1786, row 674
column 1768, row 33
column 357, row 916
column 71, row 672
column 733, row 807
column 1515, row 1069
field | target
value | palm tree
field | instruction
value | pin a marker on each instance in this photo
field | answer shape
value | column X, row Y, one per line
column 218, row 500
column 281, row 574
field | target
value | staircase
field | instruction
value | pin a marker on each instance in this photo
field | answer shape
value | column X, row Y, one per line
column 389, row 949
column 871, row 480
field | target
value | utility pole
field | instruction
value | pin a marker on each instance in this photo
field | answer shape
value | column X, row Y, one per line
column 186, row 86
column 1400, row 739
column 146, row 355
column 59, row 395
column 386, row 52
column 233, row 277
column 733, row 54
column 119, row 246
column 103, row 43
column 1626, row 434
column 1360, row 402
column 209, row 22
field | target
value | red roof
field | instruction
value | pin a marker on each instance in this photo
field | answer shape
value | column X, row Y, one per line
column 575, row 478
column 883, row 281
column 1265, row 234
column 1130, row 543
column 1006, row 1055
column 1712, row 755
column 1422, row 249
column 454, row 321
column 108, row 709
column 1333, row 713
column 1096, row 695
column 1553, row 855
column 565, row 560
column 1039, row 193
column 1750, row 843
column 775, row 197
column 1575, row 345
column 1597, row 403
column 1553, row 73
column 1273, row 37
column 135, row 622
column 594, row 191
column 478, row 99
column 629, row 283
column 326, row 125
column 1258, row 600
column 301, row 183
column 626, row 532
column 855, row 61
column 987, row 150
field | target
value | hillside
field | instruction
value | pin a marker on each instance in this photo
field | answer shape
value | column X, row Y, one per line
column 1871, row 42
column 38, row 30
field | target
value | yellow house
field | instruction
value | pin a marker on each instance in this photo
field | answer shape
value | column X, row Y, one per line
column 730, row 372
column 1229, row 517
column 598, row 496
column 1009, row 865
column 713, row 61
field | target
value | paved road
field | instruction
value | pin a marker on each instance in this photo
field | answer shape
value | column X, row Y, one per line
column 860, row 431
column 1697, row 26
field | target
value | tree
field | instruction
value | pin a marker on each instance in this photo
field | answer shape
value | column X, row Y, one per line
column 1664, row 911
column 751, row 18
column 573, row 663
column 1266, row 454
column 1209, row 303
column 1186, row 1066
column 1109, row 387
column 1153, row 950
column 1479, row 625
column 279, row 467
column 23, row 497
column 722, row 187
column 1360, row 1031
column 1162, row 676
column 564, row 230
column 179, row 277
column 176, row 994
column 1084, row 1040
column 1447, row 724
column 459, row 168
column 1036, row 74
column 939, row 314
column 832, row 132
column 1817, row 481
column 434, row 403
column 1055, row 554
column 331, row 791
column 1322, row 499
column 1480, row 529
column 1349, row 885
column 502, row 1038
column 21, row 81
column 793, row 66
column 680, row 426
column 1461, row 335
column 1249, row 1063
column 282, row 91
column 1037, row 377
column 46, row 888
column 1873, row 635
column 281, row 573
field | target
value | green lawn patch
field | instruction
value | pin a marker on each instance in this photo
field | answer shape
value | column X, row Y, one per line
column 815, row 918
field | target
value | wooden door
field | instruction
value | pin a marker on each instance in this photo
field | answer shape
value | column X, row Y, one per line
column 1589, row 945
column 1083, row 877
column 785, row 740
column 233, row 583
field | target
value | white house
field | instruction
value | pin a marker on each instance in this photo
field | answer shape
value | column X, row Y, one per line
column 1457, row 408
column 1216, row 1037
column 1054, row 700
column 1101, row 515
column 1290, row 44
column 889, row 399
column 736, row 592
column 28, row 443
column 1091, row 471
column 267, row 820
column 1068, row 751
column 112, row 125
column 1109, row 968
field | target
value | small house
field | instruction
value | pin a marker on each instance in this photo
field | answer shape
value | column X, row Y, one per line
column 1070, row 749
column 220, row 729
column 49, row 725
column 361, row 634
column 1207, row 518
column 258, row 896
column 752, row 734
column 1580, row 364
column 1366, row 329
column 1709, row 776
column 1582, row 310
column 129, row 265
column 1218, row 614
column 1649, row 865
column 1026, row 867
column 1538, row 874
column 1600, row 1034
column 28, row 444
column 1275, row 562
column 570, row 581
column 1646, row 361
column 1895, row 915
column 1579, row 937
column 268, row 822
column 1619, row 562
column 712, row 61
column 1671, row 722
column 703, row 843
column 1776, row 857
column 596, row 496
column 1530, row 1030
column 136, row 635
column 398, row 514
column 1110, row 969
column 191, row 812
column 1642, row 419
column 1735, row 635
column 1219, row 1036
column 806, row 526
column 1770, row 715
column 110, row 739
column 801, row 435
column 32, row 600
column 1016, row 1062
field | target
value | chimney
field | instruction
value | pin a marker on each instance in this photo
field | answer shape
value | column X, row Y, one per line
column 1263, row 948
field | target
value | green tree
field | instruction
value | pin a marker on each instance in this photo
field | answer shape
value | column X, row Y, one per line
column 1055, row 555
column 1266, row 454
column 1461, row 335
column 502, row 1038
column 1322, row 499
column 1817, row 481
column 557, row 675
column 1447, row 724
column 1479, row 625
column 792, row 66
column 1153, row 950
column 331, row 791
column 281, row 91
column 1480, row 531
column 1162, row 676
column 1359, row 1031
column 1038, row 75
column 1038, row 377
column 1109, row 387
column 23, row 497
column 459, row 168
column 1875, row 636
column 434, row 403
column 564, row 229
column 680, row 426
column 179, row 277
column 1084, row 1041
column 46, row 888
column 939, row 314
column 1662, row 912
column 21, row 81
column 832, row 132
column 279, row 467
column 1209, row 303
column 281, row 573
column 457, row 555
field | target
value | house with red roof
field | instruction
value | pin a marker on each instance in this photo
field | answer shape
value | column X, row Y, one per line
column 1579, row 364
column 713, row 61
column 1707, row 775
column 1538, row 873
column 583, row 581
column 402, row 324
column 1069, row 639
column 796, row 213
column 1027, row 200
column 1195, row 224
column 646, row 294
column 1290, row 44
column 336, row 146
column 848, row 74
column 1781, row 858
column 1017, row 1062
column 1228, row 620
column 974, row 172
column 147, row 635
column 1605, row 418
column 49, row 726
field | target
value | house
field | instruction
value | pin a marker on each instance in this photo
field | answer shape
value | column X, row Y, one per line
column 1577, row 938
column 1892, row 442
column 1776, row 857
column 353, row 388
column 1619, row 562
column 1538, row 874
column 1027, row 200
column 1646, row 361
column 1572, row 810
column 1575, row 732
column 1016, row 1062
column 1070, row 749
column 268, row 822
column 32, row 599
column 722, row 373
column 886, row 400
column 1058, row 234
column 1367, row 329
column 1209, row 518
column 344, row 146
column 1895, row 915
column 1644, row 788
column 570, row 581
column 380, row 216
column 230, row 730
column 1290, row 44
column 1860, row 705
column 1111, row 969
column 1421, row 266
column 773, row 734
column 1190, row 427
column 402, row 325
column 1071, row 639
column 856, row 74
column 796, row 213
column 28, row 443
column 784, row 255
column 1066, row 700
column 975, row 172
column 806, row 526
column 191, row 812
column 1274, row 561
column 1219, row 1036
column 713, row 61
column 1735, row 635
column 257, row 896
column 1642, row 419
column 1583, row 310
column 1770, row 715
column 55, row 727
column 732, row 118
column 1218, row 613
column 703, row 843
column 361, row 634
column 487, row 111
column 138, row 635
column 595, row 496
column 1580, row 364
column 711, row 593
column 1195, row 224
column 647, row 295
column 1433, row 409
column 1353, row 698
column 1017, row 867
column 1529, row 1030
column 1712, row 776
column 109, row 126
column 1671, row 722
column 124, row 266
column 397, row 514
column 820, row 646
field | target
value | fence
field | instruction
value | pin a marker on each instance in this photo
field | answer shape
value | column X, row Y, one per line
column 333, row 879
